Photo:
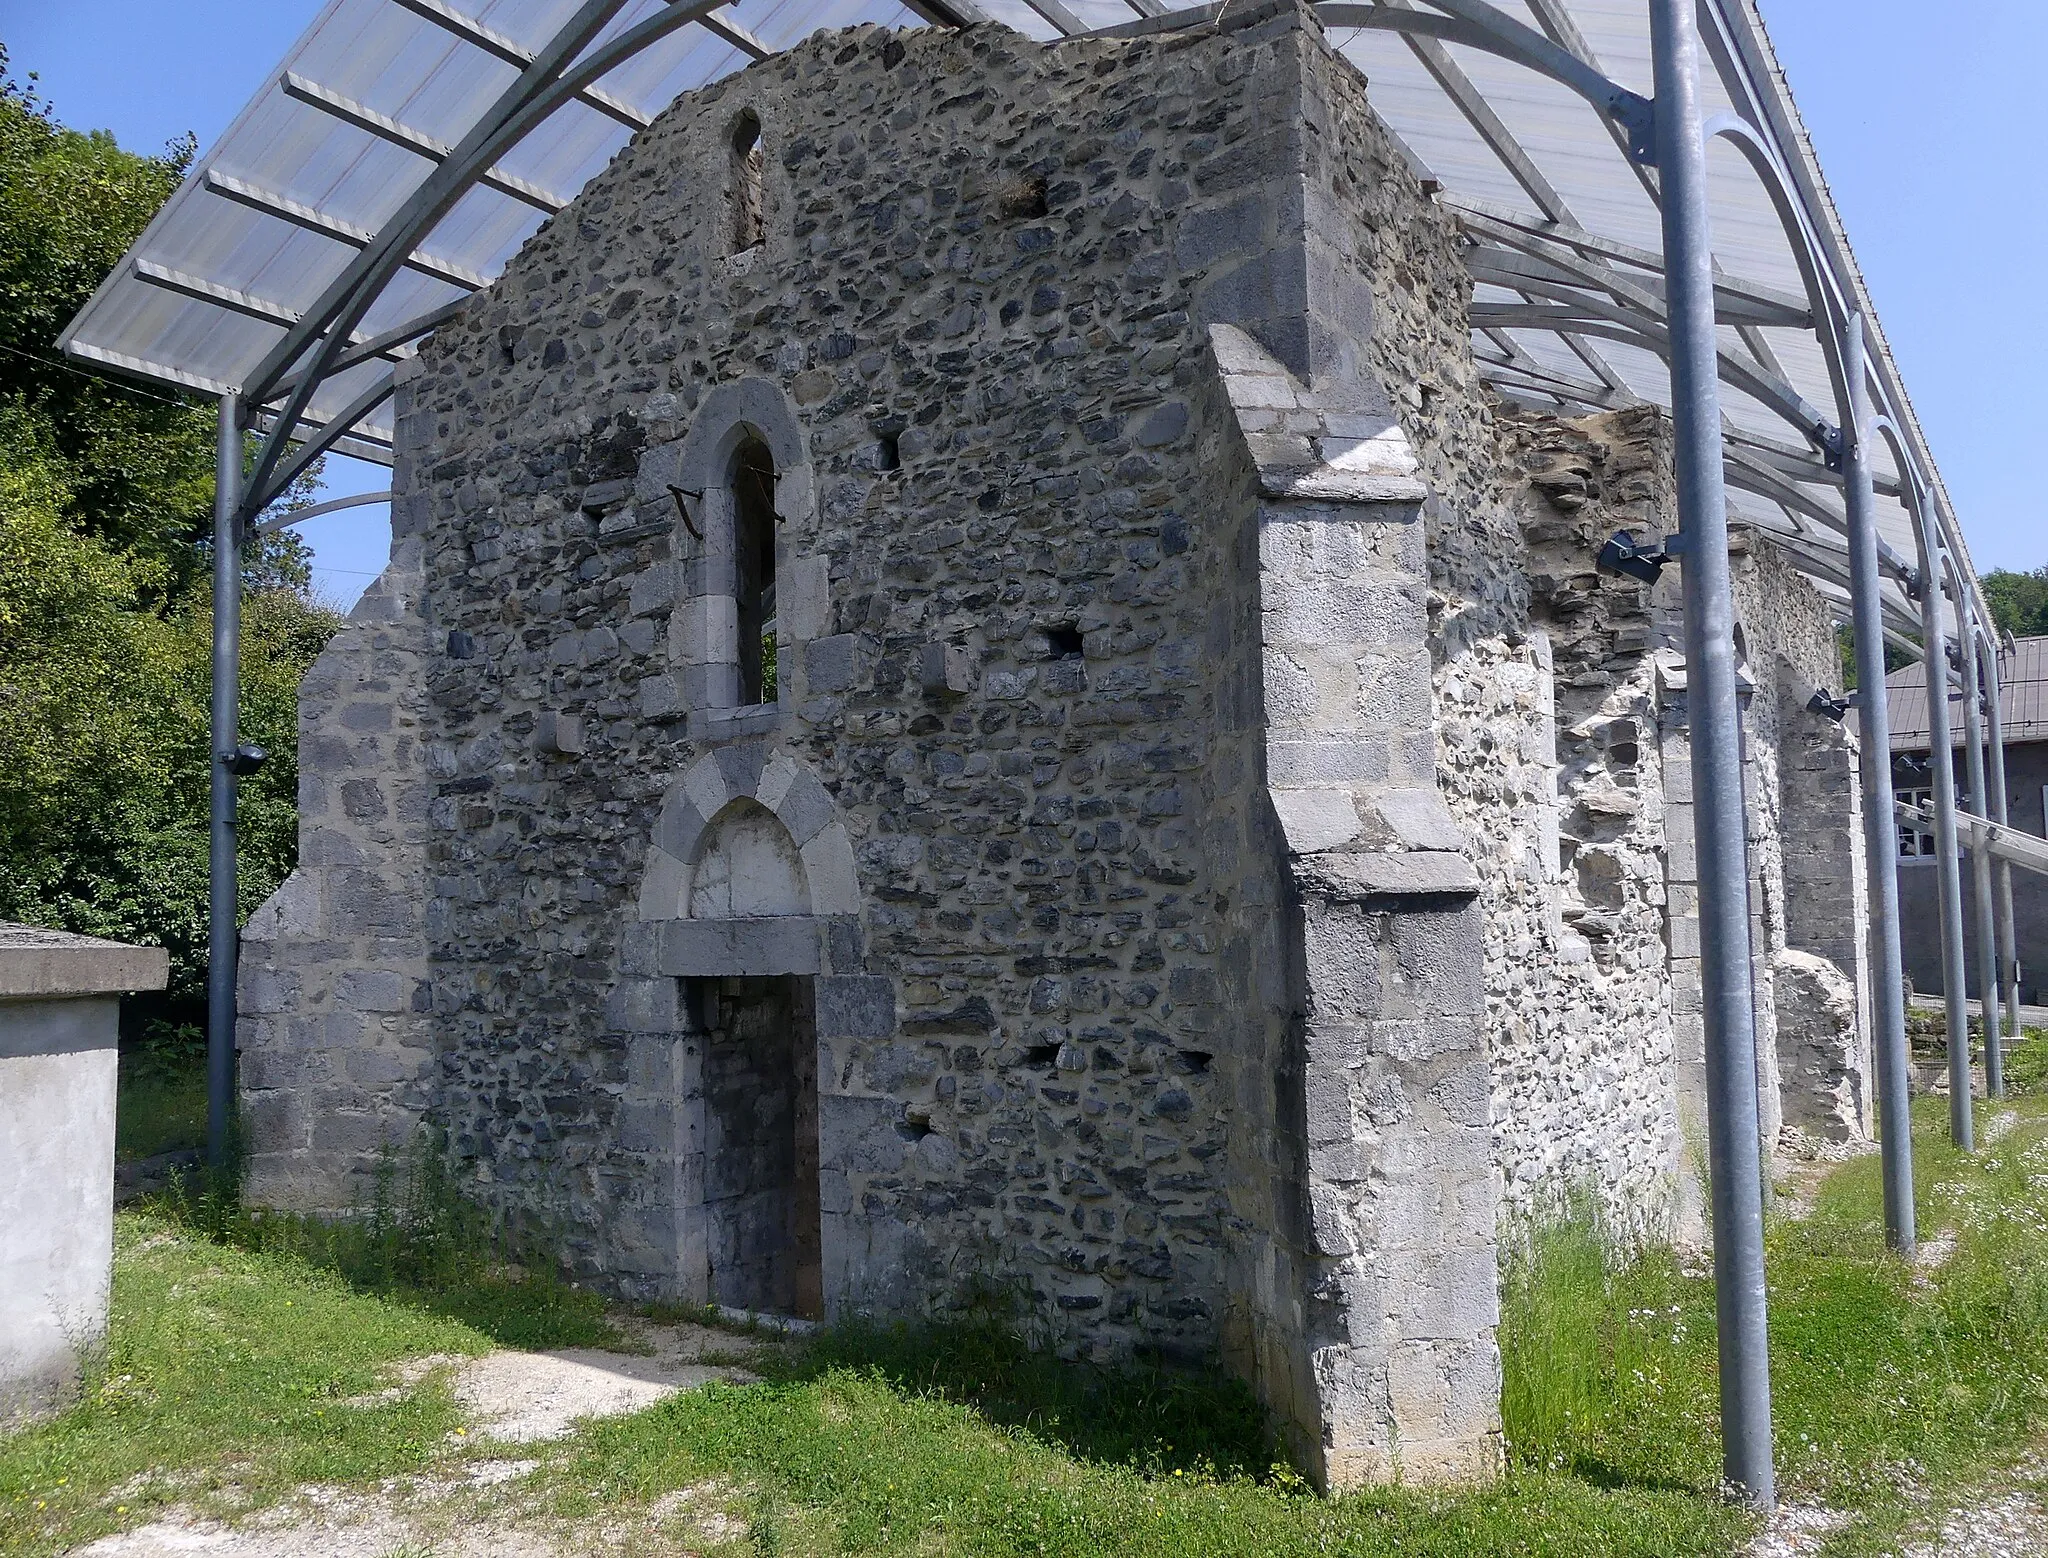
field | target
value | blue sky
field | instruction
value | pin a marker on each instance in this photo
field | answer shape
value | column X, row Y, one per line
column 1921, row 115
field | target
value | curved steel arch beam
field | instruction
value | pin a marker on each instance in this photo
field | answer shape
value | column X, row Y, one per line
column 1617, row 324
column 1480, row 26
column 1831, row 312
column 379, row 345
column 351, row 294
column 258, row 497
column 1749, row 74
column 1830, row 318
column 333, row 505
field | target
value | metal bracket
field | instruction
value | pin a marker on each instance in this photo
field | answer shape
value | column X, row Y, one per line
column 1828, row 706
column 1623, row 554
column 682, row 508
column 1638, row 116
column 1834, row 445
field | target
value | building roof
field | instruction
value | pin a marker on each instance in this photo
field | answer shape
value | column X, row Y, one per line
column 2022, row 699
column 404, row 149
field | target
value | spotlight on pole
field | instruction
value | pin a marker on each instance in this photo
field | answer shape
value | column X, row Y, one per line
column 1828, row 706
column 1623, row 554
column 244, row 760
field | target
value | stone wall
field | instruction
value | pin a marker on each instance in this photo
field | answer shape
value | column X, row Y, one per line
column 1564, row 751
column 1215, row 818
column 1061, row 1044
column 1549, row 757
column 1816, row 901
column 337, row 1044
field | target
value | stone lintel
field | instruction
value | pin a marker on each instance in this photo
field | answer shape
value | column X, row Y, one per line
column 772, row 944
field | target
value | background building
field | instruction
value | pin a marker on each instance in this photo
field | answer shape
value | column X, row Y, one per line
column 2023, row 685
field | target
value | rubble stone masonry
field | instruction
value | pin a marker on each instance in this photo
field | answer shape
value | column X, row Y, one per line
column 1218, row 819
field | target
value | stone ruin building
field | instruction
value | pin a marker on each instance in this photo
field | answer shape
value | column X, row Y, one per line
column 980, row 696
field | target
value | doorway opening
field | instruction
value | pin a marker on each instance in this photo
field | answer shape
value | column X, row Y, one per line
column 761, row 1143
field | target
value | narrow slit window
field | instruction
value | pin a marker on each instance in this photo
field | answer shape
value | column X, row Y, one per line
column 753, row 534
column 747, row 230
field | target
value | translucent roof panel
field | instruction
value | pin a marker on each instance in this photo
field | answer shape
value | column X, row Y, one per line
column 1568, row 302
column 341, row 136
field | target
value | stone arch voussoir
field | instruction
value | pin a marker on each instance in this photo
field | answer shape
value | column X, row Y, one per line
column 784, row 786
column 728, row 415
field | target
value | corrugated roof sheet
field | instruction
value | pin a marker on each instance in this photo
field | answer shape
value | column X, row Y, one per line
column 2022, row 699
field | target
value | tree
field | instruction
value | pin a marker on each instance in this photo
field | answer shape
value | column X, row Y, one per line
column 106, row 499
column 2019, row 601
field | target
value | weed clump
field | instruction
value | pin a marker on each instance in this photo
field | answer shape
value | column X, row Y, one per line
column 2026, row 1062
column 417, row 1238
column 1592, row 1336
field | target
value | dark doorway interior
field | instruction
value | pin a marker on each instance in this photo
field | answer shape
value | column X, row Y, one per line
column 761, row 1144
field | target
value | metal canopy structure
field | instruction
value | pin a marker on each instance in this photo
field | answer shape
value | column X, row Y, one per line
column 1647, row 223
column 404, row 150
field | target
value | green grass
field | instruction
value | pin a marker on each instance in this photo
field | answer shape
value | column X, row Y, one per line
column 420, row 1242
column 238, row 1342
column 848, row 1461
column 1881, row 1383
column 225, row 1380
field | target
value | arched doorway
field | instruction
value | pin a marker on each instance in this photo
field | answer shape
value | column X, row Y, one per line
column 759, row 1079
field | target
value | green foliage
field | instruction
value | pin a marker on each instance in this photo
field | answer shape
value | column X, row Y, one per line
column 106, row 493
column 1845, row 650
column 104, row 745
column 2019, row 601
column 160, row 1103
column 136, row 466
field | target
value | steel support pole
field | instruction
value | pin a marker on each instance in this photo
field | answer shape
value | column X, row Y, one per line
column 1880, row 824
column 1941, row 760
column 2001, row 870
column 1734, row 1151
column 222, row 932
column 1986, row 924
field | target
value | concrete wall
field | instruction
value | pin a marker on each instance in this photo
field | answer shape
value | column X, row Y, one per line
column 60, row 1015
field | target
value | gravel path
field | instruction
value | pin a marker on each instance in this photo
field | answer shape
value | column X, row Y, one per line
column 509, row 1398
